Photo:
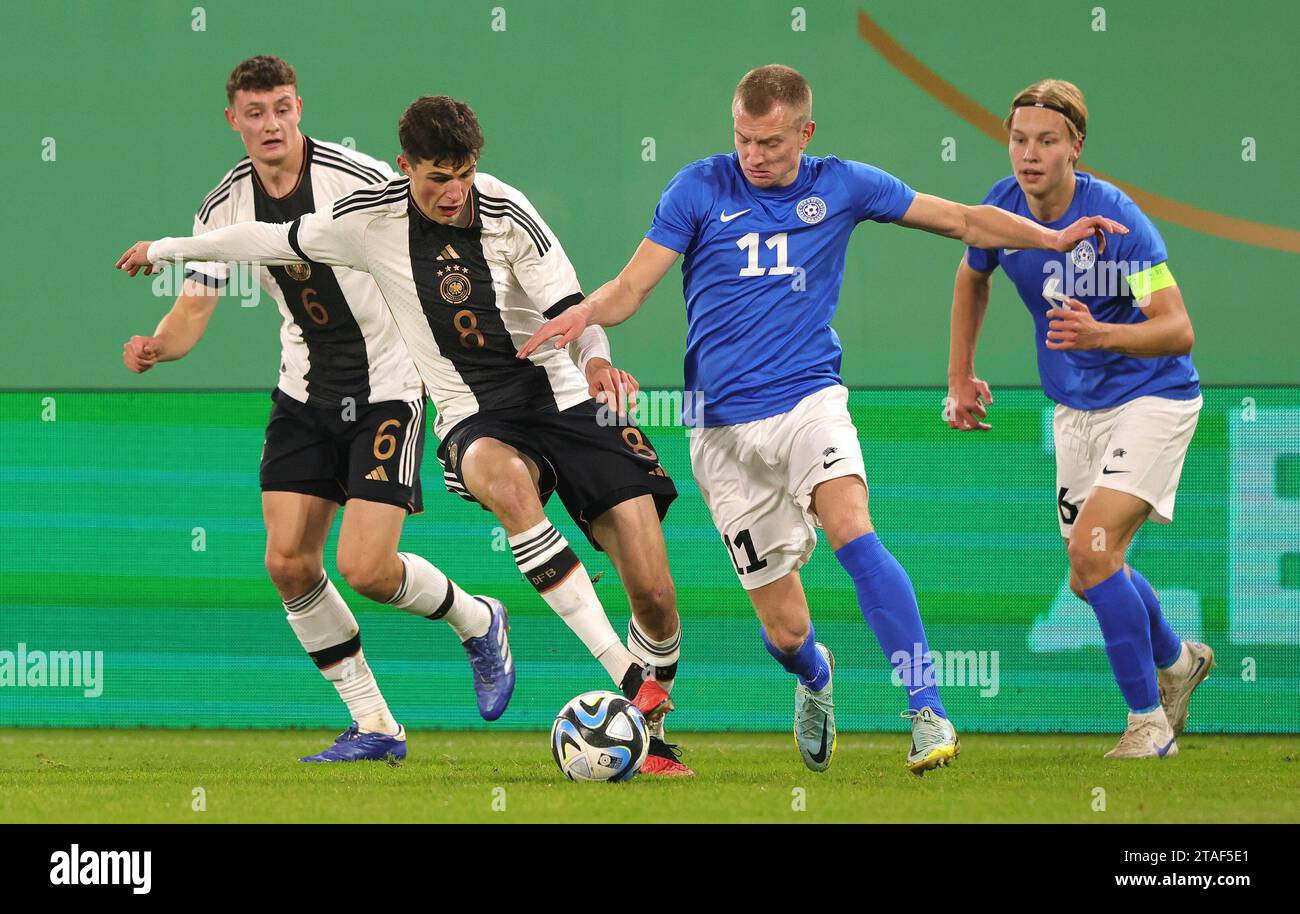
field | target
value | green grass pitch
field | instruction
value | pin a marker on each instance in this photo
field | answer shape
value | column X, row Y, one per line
column 252, row 776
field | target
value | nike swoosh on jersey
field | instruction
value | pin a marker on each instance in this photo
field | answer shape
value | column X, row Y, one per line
column 727, row 218
column 1107, row 471
column 827, row 466
column 1007, row 251
column 820, row 755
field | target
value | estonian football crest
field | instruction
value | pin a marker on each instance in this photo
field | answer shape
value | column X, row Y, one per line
column 811, row 210
column 298, row 272
column 455, row 286
column 1083, row 256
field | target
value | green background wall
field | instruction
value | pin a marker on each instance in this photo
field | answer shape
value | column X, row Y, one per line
column 99, row 510
column 133, row 98
column 98, row 507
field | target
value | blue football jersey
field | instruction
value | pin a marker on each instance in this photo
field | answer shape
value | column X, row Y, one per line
column 1110, row 284
column 762, row 274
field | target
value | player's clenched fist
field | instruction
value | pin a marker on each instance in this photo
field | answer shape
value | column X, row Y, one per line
column 140, row 353
column 136, row 256
column 1074, row 327
column 966, row 405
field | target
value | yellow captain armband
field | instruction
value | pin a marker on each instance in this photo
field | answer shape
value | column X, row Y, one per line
column 1150, row 280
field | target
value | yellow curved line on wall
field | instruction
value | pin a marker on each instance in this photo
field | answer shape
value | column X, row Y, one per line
column 988, row 123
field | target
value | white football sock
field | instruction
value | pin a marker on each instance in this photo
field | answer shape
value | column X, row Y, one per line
column 1183, row 665
column 357, row 687
column 1157, row 714
column 426, row 591
column 661, row 656
column 545, row 558
column 329, row 633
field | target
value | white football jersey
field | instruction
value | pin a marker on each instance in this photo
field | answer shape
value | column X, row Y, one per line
column 464, row 299
column 338, row 339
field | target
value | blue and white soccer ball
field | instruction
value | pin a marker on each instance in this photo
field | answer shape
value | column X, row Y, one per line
column 599, row 736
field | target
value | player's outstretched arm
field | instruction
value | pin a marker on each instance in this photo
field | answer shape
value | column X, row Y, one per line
column 317, row 237
column 992, row 227
column 246, row 241
column 1166, row 331
column 612, row 303
column 177, row 333
column 968, row 396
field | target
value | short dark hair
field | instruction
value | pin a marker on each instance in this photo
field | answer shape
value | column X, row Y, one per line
column 260, row 73
column 436, row 128
column 763, row 88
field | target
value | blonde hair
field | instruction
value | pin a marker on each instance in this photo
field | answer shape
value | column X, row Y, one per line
column 1056, row 95
column 762, row 88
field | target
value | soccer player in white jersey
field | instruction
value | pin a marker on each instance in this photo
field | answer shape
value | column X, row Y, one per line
column 347, row 425
column 1113, row 341
column 764, row 231
column 469, row 270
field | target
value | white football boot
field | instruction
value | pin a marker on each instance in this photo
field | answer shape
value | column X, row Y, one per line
column 1147, row 736
column 1176, row 690
column 934, row 741
column 814, row 720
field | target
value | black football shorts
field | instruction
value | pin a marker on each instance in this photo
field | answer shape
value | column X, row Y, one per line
column 371, row 452
column 590, row 465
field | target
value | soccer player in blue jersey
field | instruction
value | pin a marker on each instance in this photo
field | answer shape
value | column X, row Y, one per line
column 1113, row 341
column 764, row 231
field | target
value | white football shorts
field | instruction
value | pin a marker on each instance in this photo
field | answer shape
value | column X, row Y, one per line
column 758, row 477
column 1137, row 447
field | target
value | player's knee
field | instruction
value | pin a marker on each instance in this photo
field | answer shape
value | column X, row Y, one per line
column 655, row 603
column 370, row 576
column 292, row 573
column 1076, row 587
column 787, row 637
column 510, row 495
column 844, row 518
column 1089, row 565
column 846, row 527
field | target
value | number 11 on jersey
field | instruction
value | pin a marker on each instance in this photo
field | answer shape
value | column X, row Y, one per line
column 777, row 242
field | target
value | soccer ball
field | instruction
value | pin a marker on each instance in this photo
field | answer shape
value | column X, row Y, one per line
column 599, row 736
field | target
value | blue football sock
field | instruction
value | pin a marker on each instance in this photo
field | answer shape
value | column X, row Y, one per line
column 1165, row 645
column 1127, row 631
column 807, row 663
column 888, row 604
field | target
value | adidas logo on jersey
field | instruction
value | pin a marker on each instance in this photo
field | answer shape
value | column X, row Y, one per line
column 447, row 253
column 378, row 475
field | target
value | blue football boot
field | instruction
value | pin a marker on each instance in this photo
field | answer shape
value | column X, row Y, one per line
column 355, row 746
column 494, row 668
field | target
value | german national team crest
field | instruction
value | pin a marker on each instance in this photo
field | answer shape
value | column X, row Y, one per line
column 1083, row 256
column 811, row 210
column 298, row 272
column 455, row 286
